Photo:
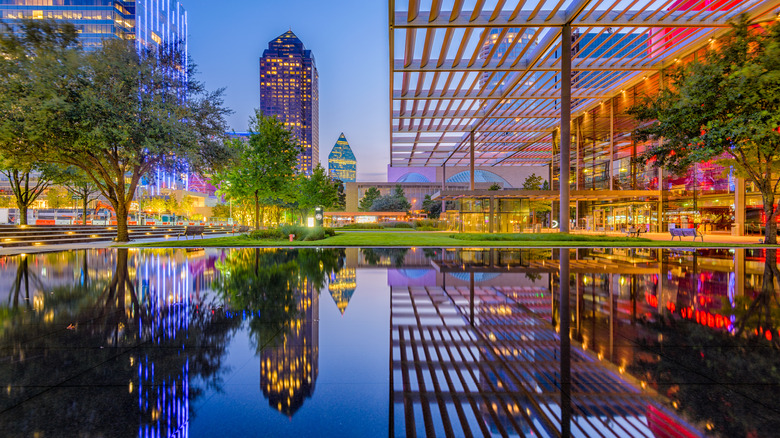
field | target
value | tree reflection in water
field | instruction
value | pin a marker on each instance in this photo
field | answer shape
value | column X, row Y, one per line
column 280, row 289
column 723, row 379
column 94, row 358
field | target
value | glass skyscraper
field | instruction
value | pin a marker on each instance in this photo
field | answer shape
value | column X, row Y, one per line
column 147, row 21
column 289, row 90
column 342, row 163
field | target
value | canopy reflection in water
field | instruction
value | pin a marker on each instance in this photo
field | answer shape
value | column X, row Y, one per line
column 580, row 342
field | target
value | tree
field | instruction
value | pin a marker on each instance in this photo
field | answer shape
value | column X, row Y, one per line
column 117, row 113
column 81, row 187
column 57, row 198
column 368, row 199
column 316, row 190
column 535, row 182
column 264, row 165
column 27, row 54
column 724, row 107
column 28, row 181
column 395, row 201
column 494, row 187
column 431, row 208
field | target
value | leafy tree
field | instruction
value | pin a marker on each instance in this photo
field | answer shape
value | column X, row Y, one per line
column 395, row 201
column 117, row 113
column 57, row 198
column 316, row 190
column 724, row 107
column 431, row 208
column 78, row 184
column 25, row 53
column 371, row 195
column 495, row 186
column 535, row 182
column 28, row 182
column 264, row 165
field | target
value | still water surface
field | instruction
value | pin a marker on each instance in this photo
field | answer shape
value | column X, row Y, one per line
column 390, row 342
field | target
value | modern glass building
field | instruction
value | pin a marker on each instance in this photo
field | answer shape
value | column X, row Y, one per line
column 147, row 21
column 490, row 85
column 342, row 163
column 289, row 90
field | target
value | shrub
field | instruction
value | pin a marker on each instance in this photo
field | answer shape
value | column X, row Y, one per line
column 269, row 234
column 299, row 231
column 362, row 227
column 329, row 232
column 429, row 223
column 314, row 234
column 398, row 225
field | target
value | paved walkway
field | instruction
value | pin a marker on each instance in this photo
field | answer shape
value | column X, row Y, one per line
column 96, row 245
column 708, row 238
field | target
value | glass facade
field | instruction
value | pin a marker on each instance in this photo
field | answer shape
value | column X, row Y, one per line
column 147, row 21
column 342, row 163
column 289, row 90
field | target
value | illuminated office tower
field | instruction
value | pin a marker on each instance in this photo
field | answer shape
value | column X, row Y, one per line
column 146, row 21
column 342, row 163
column 289, row 91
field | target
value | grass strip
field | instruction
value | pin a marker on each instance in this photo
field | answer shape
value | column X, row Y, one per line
column 443, row 239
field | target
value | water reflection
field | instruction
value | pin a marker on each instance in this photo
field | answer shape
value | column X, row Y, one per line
column 280, row 289
column 581, row 342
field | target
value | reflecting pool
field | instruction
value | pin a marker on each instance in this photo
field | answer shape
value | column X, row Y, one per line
column 390, row 342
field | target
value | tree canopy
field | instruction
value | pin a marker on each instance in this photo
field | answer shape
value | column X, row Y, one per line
column 263, row 166
column 724, row 107
column 395, row 201
column 117, row 113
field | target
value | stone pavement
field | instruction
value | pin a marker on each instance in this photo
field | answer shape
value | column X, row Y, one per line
column 96, row 245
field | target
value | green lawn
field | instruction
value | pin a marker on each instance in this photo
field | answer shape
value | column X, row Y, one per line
column 438, row 239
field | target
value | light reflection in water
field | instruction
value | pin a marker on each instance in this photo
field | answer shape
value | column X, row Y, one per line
column 478, row 336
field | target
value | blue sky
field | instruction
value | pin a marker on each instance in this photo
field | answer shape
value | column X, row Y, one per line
column 349, row 39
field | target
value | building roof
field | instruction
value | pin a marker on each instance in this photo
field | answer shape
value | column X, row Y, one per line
column 494, row 68
column 341, row 150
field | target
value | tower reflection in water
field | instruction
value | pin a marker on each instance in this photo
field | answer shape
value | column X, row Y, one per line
column 94, row 348
column 280, row 289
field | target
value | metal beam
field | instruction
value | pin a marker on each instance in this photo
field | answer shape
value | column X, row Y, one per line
column 559, row 19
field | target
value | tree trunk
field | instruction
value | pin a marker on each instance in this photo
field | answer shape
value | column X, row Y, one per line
column 22, row 213
column 770, row 231
column 257, row 211
column 84, row 219
column 121, row 222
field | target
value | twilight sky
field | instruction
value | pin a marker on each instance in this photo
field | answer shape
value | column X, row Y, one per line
column 349, row 39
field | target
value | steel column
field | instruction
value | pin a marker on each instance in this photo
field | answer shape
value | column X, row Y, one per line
column 565, row 140
column 471, row 160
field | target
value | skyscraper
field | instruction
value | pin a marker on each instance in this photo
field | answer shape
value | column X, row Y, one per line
column 289, row 91
column 146, row 21
column 342, row 163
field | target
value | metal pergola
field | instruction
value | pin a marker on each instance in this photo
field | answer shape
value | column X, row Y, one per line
column 495, row 82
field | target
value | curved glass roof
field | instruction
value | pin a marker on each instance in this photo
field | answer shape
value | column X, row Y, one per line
column 413, row 177
column 480, row 176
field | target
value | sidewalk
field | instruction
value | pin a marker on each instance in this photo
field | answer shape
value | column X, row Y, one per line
column 96, row 245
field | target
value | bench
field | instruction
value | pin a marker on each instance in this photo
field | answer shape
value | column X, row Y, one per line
column 192, row 230
column 686, row 232
column 241, row 229
column 633, row 232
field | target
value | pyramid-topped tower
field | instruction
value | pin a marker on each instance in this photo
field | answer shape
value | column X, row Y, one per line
column 342, row 163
